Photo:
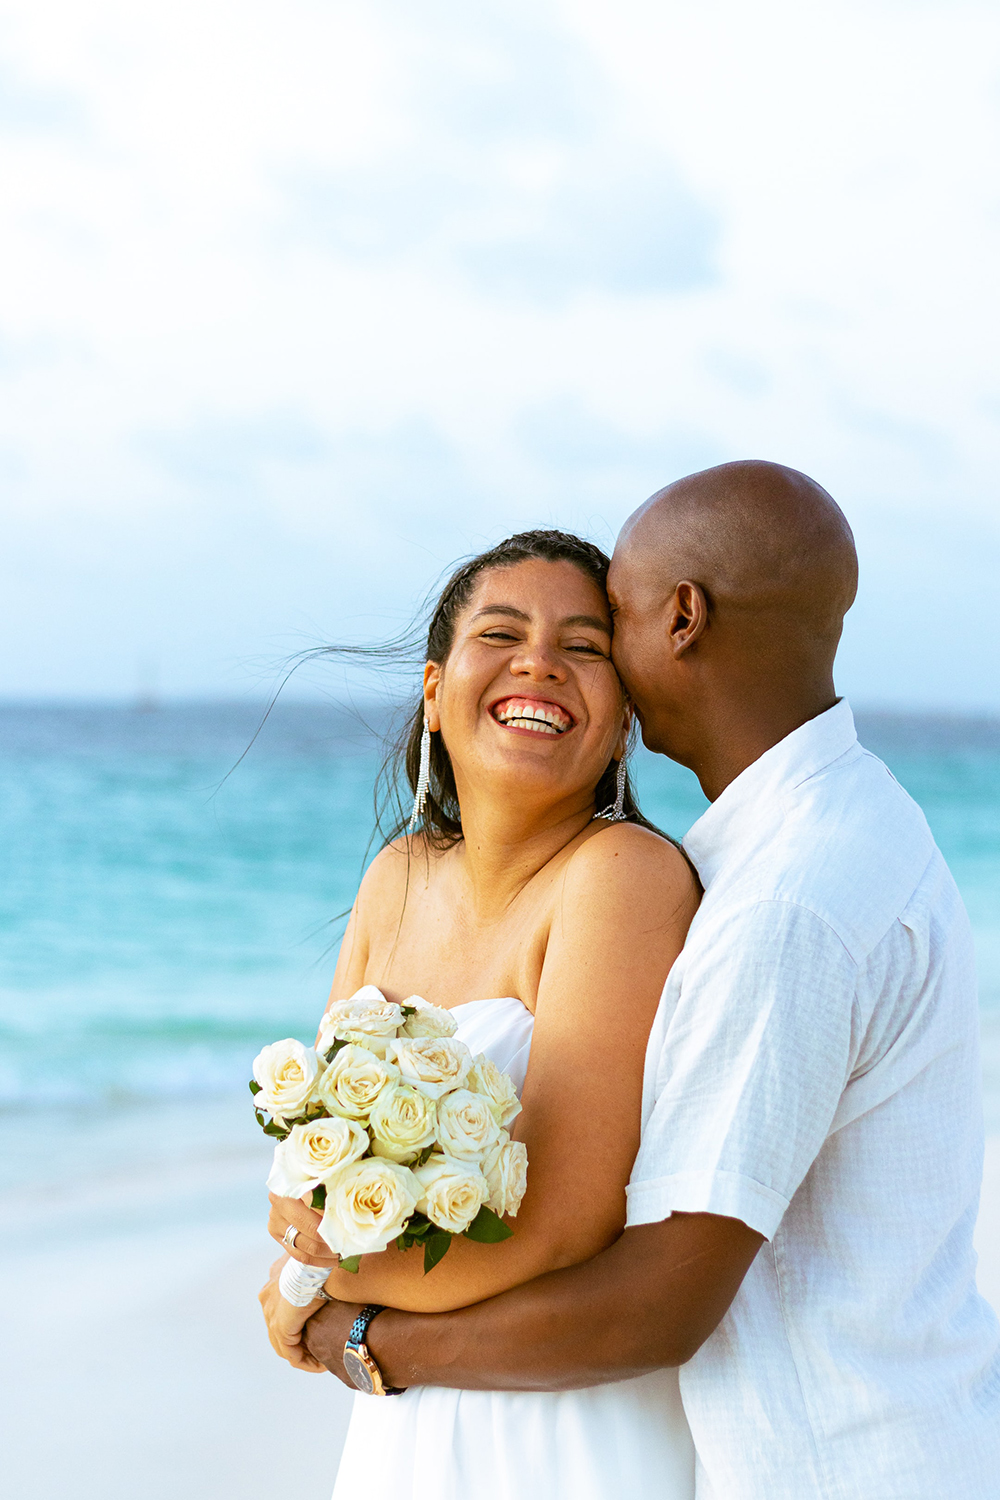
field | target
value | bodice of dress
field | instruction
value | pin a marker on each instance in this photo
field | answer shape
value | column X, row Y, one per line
column 502, row 1029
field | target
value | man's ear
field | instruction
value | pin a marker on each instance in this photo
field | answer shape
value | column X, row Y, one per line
column 432, row 681
column 687, row 616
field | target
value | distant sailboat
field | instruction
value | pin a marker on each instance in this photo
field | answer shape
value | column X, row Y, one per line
column 147, row 698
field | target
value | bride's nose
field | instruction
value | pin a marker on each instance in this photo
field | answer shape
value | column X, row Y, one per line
column 537, row 662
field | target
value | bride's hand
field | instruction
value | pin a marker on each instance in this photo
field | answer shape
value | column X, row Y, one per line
column 309, row 1248
column 285, row 1324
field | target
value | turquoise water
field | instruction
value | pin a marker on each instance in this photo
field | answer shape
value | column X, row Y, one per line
column 158, row 923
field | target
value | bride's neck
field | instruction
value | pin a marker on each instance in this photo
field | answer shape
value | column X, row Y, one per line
column 504, row 847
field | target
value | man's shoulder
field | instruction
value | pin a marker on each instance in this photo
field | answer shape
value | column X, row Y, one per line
column 848, row 845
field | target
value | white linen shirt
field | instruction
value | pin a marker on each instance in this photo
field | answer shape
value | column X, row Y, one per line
column 813, row 1070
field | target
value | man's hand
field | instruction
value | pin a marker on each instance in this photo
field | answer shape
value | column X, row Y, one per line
column 325, row 1335
column 309, row 1248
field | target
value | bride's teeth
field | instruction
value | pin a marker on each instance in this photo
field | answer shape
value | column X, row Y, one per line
column 533, row 716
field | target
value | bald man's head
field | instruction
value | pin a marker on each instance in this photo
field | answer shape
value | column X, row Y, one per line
column 772, row 558
column 756, row 536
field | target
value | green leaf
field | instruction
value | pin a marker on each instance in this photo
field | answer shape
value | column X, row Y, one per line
column 416, row 1231
column 435, row 1248
column 254, row 1086
column 332, row 1051
column 424, row 1155
column 276, row 1130
column 260, row 1119
column 488, row 1228
column 408, row 1010
column 319, row 1196
column 350, row 1263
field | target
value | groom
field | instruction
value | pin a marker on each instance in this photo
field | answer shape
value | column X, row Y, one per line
column 801, row 1209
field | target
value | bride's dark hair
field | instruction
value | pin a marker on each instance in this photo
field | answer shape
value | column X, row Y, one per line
column 441, row 824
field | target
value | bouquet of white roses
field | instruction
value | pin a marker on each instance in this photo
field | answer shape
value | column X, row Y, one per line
column 392, row 1129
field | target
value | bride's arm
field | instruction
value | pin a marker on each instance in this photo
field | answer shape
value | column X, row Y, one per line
column 626, row 901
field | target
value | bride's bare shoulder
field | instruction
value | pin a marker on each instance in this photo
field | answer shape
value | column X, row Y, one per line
column 401, row 866
column 623, row 863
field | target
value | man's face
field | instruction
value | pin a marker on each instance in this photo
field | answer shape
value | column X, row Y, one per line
column 640, row 648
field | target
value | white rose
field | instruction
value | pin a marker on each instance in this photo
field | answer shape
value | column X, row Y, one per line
column 497, row 1087
column 432, row 1064
column 310, row 1153
column 367, row 1205
column 286, row 1072
column 403, row 1122
column 367, row 1018
column 506, row 1170
column 353, row 1082
column 452, row 1192
column 466, row 1127
column 429, row 1020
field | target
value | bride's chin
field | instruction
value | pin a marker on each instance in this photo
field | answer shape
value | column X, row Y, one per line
column 519, row 782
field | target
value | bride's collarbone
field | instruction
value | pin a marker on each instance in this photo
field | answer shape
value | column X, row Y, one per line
column 443, row 944
column 451, row 962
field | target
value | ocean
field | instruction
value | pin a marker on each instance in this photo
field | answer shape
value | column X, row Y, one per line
column 167, row 907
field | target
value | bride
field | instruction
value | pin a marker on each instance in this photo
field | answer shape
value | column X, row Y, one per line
column 542, row 922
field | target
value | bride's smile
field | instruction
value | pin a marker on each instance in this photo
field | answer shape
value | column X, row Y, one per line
column 532, row 715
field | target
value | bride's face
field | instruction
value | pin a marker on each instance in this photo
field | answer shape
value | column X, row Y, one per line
column 528, row 701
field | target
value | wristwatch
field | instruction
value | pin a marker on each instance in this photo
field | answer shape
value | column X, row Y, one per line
column 359, row 1364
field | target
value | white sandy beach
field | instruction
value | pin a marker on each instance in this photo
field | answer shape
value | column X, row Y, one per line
column 135, row 1360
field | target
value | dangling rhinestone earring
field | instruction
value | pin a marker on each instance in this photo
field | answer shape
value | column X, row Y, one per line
column 423, row 777
column 616, row 813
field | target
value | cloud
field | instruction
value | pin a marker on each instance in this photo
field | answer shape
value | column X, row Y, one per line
column 584, row 221
column 512, row 165
column 618, row 224
column 32, row 108
column 231, row 455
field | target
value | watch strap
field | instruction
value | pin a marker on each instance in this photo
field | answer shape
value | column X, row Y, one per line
column 360, row 1325
column 356, row 1338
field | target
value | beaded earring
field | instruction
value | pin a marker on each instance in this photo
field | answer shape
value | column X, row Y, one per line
column 423, row 777
column 615, row 812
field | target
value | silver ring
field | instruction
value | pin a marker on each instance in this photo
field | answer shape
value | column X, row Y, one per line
column 289, row 1237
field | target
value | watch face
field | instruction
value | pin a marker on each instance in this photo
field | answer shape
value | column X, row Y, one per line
column 359, row 1371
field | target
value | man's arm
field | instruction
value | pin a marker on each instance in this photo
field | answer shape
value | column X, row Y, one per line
column 649, row 1301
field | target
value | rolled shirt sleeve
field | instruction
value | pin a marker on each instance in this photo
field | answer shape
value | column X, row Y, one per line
column 750, row 1053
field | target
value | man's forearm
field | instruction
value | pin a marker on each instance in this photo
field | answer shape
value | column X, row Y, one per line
column 647, row 1302
column 555, row 1333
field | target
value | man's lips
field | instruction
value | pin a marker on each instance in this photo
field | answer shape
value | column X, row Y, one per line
column 537, row 715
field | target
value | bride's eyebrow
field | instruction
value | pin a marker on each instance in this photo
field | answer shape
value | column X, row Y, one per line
column 594, row 621
column 501, row 609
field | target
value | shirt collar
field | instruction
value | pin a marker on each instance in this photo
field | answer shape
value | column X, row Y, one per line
column 801, row 754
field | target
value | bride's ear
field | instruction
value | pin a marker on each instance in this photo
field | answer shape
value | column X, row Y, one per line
column 432, row 681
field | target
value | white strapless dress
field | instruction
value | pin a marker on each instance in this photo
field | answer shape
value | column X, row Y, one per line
column 630, row 1438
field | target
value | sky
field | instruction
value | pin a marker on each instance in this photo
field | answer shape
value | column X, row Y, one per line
column 301, row 303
